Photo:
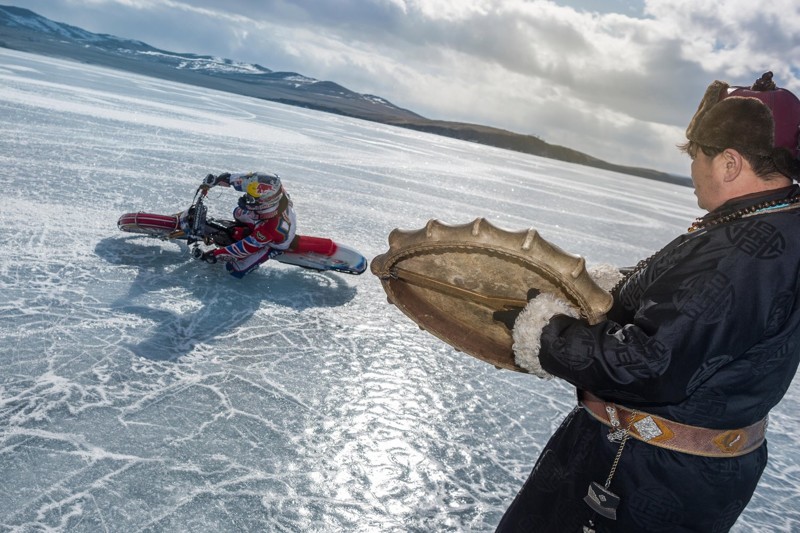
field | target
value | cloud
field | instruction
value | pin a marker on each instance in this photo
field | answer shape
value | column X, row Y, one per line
column 735, row 36
column 617, row 86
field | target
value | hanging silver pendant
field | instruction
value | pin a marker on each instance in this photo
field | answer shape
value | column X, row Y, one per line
column 602, row 501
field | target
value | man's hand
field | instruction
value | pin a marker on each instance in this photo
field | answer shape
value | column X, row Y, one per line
column 509, row 316
column 527, row 332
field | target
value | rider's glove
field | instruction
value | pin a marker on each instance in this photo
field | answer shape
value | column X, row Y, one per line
column 207, row 257
column 212, row 180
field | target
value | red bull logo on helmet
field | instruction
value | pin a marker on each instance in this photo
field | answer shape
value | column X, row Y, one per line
column 257, row 190
column 262, row 185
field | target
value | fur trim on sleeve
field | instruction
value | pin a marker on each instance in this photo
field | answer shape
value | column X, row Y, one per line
column 527, row 330
column 605, row 275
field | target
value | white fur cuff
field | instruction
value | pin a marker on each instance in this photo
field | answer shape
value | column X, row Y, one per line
column 606, row 276
column 527, row 330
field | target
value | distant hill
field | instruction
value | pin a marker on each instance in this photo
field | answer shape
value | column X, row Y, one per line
column 24, row 30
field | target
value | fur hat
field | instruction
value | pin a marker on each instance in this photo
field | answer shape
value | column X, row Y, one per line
column 751, row 120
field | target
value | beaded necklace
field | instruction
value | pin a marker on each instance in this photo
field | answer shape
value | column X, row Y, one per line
column 745, row 212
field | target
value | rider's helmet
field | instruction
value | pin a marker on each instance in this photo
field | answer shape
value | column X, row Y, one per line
column 263, row 192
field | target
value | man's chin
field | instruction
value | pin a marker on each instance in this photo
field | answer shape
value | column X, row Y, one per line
column 699, row 202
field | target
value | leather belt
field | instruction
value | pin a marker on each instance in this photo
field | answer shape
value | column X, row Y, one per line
column 674, row 436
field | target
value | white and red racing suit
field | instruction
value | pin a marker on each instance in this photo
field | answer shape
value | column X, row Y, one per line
column 271, row 228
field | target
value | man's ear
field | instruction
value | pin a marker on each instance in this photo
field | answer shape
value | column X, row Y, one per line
column 732, row 164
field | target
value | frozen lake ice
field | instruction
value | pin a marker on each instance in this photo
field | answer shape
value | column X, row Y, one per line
column 144, row 391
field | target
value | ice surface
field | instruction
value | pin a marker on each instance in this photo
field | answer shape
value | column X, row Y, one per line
column 142, row 391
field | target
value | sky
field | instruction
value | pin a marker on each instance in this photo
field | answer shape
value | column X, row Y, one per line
column 616, row 79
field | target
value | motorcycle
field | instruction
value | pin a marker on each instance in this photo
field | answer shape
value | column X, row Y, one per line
column 195, row 228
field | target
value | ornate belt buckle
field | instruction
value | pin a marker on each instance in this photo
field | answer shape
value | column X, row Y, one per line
column 647, row 428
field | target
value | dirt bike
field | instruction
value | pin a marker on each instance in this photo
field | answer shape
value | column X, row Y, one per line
column 195, row 228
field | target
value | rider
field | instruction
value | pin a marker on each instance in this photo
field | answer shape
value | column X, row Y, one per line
column 266, row 211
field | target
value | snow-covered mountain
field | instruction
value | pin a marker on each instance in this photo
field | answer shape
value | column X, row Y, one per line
column 24, row 30
column 142, row 391
column 17, row 17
